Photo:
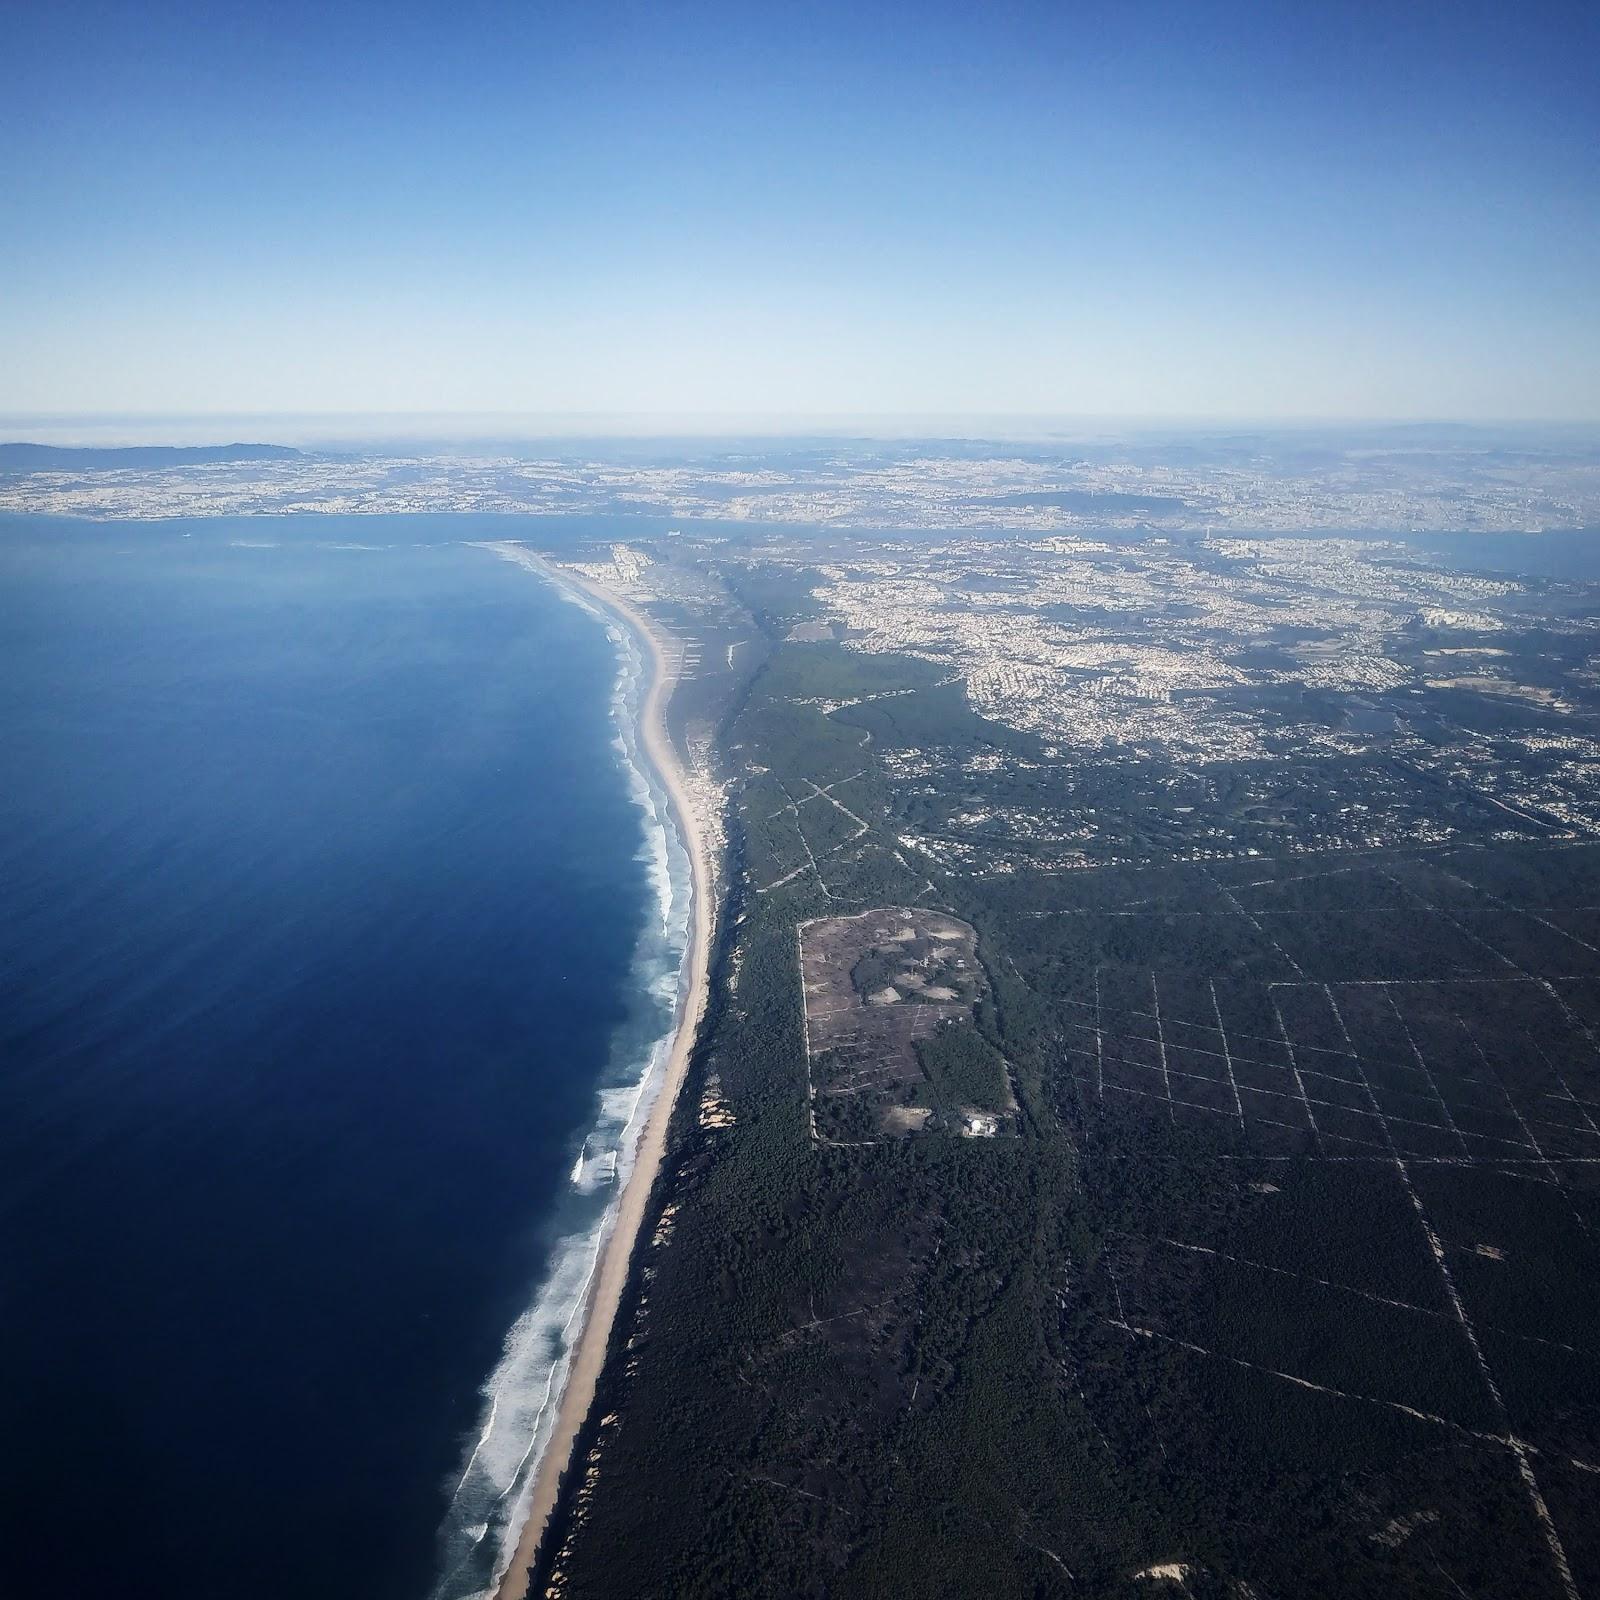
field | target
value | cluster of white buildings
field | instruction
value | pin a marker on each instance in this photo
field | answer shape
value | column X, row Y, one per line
column 1000, row 489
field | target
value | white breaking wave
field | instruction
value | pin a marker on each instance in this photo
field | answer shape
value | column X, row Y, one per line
column 489, row 1500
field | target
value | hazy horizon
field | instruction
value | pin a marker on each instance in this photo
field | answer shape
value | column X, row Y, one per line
column 319, row 430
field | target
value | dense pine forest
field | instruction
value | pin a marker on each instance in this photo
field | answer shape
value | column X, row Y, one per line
column 1280, row 1281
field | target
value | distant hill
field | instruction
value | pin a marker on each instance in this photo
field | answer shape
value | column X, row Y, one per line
column 1089, row 500
column 60, row 458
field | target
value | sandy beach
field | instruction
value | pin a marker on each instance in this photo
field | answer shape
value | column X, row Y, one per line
column 589, row 1353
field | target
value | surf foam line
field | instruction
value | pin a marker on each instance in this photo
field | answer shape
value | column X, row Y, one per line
column 489, row 1498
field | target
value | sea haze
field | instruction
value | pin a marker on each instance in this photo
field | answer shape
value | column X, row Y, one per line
column 325, row 895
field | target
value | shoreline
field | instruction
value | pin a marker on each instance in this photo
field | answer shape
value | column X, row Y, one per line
column 616, row 1258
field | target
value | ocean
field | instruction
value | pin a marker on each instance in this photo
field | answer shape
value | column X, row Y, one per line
column 341, row 934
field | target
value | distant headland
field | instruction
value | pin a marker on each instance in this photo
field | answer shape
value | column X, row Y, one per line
column 65, row 458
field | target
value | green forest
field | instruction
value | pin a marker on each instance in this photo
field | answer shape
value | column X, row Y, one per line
column 1282, row 1282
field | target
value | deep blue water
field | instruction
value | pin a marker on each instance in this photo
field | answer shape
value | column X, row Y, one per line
column 320, row 893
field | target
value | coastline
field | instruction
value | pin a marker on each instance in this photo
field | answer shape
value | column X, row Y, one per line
column 611, row 1274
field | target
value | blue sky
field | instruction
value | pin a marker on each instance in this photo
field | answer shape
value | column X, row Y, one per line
column 1124, row 209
